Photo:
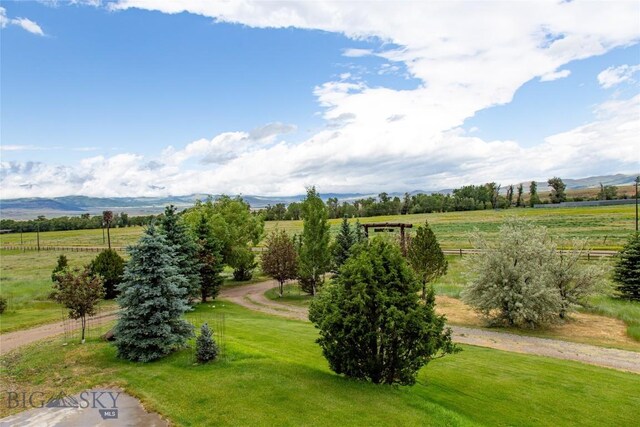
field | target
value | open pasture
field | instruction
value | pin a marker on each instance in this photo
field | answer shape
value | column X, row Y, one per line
column 605, row 227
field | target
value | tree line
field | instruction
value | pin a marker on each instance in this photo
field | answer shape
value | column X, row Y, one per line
column 82, row 222
column 466, row 198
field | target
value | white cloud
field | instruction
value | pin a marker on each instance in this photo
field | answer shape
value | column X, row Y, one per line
column 24, row 23
column 28, row 25
column 613, row 76
column 357, row 53
column 467, row 56
column 555, row 75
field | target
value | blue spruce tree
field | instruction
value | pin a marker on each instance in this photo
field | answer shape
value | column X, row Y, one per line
column 153, row 300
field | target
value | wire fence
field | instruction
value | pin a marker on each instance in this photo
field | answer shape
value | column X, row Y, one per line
column 217, row 324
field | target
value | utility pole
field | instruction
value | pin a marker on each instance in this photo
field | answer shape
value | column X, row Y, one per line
column 637, row 182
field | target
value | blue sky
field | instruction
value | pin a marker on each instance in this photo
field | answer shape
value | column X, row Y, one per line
column 142, row 97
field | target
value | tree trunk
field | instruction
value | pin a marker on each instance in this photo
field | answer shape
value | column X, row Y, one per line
column 203, row 293
column 281, row 288
column 83, row 321
column 108, row 237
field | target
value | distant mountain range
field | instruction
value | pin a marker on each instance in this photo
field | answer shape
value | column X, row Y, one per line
column 27, row 208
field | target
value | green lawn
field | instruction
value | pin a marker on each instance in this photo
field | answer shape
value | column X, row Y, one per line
column 274, row 374
column 292, row 295
column 606, row 227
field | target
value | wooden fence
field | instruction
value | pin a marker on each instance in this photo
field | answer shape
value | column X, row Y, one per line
column 587, row 254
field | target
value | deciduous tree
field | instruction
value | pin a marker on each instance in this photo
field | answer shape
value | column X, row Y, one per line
column 557, row 190
column 280, row 259
column 79, row 292
column 315, row 257
column 210, row 260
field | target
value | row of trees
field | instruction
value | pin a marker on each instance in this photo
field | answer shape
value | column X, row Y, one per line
column 469, row 197
column 82, row 222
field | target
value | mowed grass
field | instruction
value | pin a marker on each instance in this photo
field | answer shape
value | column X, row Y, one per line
column 606, row 227
column 274, row 374
column 292, row 294
column 25, row 280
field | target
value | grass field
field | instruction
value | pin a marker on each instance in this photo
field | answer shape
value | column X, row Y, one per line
column 25, row 280
column 274, row 374
column 606, row 227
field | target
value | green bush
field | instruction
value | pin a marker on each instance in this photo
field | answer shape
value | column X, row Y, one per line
column 3, row 304
column 373, row 325
column 110, row 267
column 627, row 270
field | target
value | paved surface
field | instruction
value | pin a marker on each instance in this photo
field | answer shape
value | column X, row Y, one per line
column 95, row 407
column 252, row 297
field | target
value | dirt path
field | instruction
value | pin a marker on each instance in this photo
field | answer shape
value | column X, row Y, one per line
column 17, row 339
column 253, row 298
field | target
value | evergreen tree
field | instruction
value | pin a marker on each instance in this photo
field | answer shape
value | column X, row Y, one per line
column 206, row 347
column 425, row 256
column 344, row 241
column 372, row 323
column 519, row 201
column 110, row 267
column 533, row 194
column 315, row 256
column 359, row 236
column 280, row 259
column 62, row 264
column 153, row 300
column 209, row 255
column 626, row 273
column 177, row 235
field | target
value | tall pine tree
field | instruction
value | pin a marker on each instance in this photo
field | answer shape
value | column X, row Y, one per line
column 209, row 255
column 177, row 236
column 152, row 297
column 315, row 256
column 344, row 240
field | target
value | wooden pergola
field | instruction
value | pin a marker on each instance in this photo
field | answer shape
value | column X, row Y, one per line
column 389, row 226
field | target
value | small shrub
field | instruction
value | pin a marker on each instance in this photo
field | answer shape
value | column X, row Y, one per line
column 110, row 266
column 3, row 304
column 63, row 263
column 206, row 347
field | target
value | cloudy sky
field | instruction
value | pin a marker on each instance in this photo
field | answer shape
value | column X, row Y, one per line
column 151, row 97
